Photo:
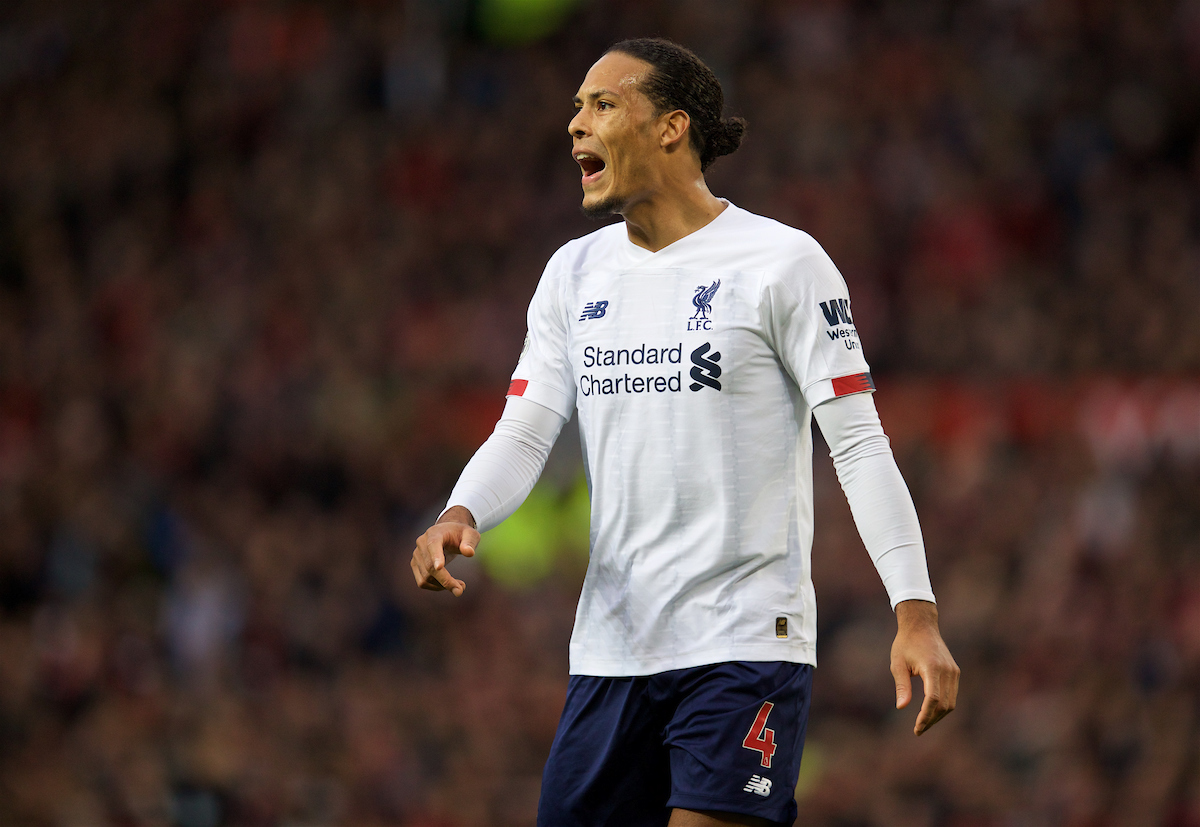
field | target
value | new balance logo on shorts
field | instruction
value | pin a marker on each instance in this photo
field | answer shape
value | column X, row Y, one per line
column 758, row 785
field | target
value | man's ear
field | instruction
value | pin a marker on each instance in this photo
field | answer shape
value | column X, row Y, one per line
column 673, row 129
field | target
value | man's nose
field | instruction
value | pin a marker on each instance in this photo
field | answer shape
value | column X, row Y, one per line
column 578, row 125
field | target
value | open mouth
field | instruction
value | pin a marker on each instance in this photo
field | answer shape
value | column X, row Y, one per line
column 590, row 165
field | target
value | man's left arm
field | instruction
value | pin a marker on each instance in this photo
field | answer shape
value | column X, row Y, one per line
column 887, row 522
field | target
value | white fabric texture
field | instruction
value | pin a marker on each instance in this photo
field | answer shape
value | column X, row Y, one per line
column 879, row 499
column 694, row 371
column 504, row 469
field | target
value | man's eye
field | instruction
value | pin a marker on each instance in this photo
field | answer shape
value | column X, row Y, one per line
column 604, row 105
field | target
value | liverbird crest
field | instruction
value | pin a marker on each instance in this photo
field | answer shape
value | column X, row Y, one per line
column 702, row 301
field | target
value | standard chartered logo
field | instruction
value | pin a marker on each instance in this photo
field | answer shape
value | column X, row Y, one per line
column 706, row 370
column 651, row 378
column 648, row 375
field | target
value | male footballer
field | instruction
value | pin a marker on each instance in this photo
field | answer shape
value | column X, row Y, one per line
column 696, row 341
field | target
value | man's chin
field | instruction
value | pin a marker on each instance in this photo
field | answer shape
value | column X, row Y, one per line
column 603, row 207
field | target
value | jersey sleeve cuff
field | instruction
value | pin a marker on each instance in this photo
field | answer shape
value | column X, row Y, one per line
column 545, row 395
column 478, row 505
column 825, row 389
column 897, row 599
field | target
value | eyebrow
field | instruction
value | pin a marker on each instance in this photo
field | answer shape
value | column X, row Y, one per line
column 599, row 93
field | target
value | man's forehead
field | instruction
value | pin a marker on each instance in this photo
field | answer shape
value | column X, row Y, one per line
column 614, row 73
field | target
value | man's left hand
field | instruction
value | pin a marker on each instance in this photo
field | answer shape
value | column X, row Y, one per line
column 919, row 650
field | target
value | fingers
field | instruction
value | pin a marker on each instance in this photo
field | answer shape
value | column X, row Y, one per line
column 470, row 539
column 941, row 695
column 437, row 580
column 903, row 683
column 932, row 711
column 929, row 715
column 428, row 562
column 444, row 578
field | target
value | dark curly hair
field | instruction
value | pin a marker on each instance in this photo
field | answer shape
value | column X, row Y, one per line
column 681, row 80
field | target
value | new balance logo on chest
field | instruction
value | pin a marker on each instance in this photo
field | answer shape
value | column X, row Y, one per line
column 593, row 310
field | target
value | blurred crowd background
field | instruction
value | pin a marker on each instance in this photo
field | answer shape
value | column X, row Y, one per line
column 263, row 274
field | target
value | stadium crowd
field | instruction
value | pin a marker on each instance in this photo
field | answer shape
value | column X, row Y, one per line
column 263, row 273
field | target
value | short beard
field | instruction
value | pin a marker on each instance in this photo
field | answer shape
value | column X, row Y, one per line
column 613, row 205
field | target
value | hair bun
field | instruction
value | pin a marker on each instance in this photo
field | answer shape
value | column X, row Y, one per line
column 725, row 138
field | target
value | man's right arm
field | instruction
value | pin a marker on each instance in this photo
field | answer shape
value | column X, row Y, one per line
column 492, row 486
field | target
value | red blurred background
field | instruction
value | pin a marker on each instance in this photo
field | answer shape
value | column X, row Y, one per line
column 263, row 273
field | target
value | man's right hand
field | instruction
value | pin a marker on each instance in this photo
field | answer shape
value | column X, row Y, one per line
column 453, row 533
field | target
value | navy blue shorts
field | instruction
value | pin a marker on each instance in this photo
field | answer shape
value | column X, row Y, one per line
column 725, row 737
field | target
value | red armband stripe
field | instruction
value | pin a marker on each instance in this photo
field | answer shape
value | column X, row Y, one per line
column 517, row 387
column 856, row 383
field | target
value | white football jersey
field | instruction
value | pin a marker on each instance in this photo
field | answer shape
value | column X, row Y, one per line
column 694, row 370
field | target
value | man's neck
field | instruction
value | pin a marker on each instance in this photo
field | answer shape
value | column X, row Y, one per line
column 671, row 213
